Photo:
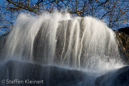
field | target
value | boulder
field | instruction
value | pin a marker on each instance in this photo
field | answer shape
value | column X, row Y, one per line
column 51, row 75
column 119, row 77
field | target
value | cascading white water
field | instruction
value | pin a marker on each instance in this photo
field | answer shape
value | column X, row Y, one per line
column 85, row 44
column 61, row 39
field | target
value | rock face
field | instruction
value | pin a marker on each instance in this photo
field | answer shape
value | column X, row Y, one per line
column 124, row 30
column 55, row 76
column 51, row 75
column 3, row 39
column 123, row 42
column 118, row 77
column 2, row 42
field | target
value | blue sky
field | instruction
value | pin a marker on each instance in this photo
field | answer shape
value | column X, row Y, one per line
column 8, row 17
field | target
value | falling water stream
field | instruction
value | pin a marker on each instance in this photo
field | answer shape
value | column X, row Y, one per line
column 61, row 40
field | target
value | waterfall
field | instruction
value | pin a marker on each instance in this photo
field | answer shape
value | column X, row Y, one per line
column 85, row 44
column 61, row 39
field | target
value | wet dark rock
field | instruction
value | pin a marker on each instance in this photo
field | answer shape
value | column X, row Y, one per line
column 123, row 43
column 124, row 30
column 119, row 77
column 51, row 75
column 3, row 39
